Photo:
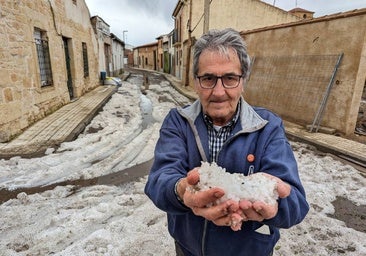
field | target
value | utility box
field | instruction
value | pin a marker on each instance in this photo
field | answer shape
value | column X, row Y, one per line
column 103, row 76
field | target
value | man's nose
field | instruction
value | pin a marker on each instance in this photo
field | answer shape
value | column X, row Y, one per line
column 219, row 87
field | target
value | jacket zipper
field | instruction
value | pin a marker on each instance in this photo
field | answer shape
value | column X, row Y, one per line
column 204, row 238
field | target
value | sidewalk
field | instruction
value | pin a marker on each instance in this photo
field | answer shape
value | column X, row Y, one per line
column 65, row 124
column 344, row 148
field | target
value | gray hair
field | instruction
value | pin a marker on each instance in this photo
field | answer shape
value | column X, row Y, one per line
column 222, row 41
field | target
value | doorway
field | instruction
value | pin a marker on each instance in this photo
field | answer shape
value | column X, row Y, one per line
column 68, row 67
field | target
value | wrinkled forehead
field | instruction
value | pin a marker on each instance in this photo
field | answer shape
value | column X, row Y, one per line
column 220, row 51
column 223, row 59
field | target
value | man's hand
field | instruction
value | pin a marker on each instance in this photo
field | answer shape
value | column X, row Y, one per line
column 259, row 211
column 199, row 201
column 230, row 212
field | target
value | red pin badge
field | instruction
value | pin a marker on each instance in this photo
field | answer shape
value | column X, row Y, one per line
column 250, row 158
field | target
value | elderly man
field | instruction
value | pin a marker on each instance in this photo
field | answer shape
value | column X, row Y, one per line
column 221, row 127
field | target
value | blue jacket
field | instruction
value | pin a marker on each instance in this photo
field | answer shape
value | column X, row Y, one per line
column 183, row 144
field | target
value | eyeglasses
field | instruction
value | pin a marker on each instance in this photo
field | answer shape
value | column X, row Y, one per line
column 229, row 81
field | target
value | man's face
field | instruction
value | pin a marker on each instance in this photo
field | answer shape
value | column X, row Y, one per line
column 219, row 103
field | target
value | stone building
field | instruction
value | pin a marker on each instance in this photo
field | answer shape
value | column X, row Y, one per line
column 146, row 56
column 193, row 18
column 111, row 49
column 128, row 60
column 48, row 57
column 104, row 40
column 118, row 55
column 163, row 54
column 302, row 13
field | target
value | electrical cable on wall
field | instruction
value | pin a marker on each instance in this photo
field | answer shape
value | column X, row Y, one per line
column 53, row 18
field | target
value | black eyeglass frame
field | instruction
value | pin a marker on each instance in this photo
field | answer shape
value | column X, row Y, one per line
column 222, row 81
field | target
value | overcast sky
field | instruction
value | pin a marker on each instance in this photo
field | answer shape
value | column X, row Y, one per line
column 145, row 20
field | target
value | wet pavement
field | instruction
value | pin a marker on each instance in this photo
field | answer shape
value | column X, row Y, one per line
column 118, row 178
column 353, row 215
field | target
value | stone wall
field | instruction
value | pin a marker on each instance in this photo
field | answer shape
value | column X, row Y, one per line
column 294, row 63
column 23, row 100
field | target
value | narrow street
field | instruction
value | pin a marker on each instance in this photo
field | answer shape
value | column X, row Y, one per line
column 143, row 125
column 86, row 197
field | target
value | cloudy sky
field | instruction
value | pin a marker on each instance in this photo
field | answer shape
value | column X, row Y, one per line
column 145, row 20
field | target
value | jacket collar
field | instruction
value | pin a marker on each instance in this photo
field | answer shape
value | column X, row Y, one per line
column 250, row 120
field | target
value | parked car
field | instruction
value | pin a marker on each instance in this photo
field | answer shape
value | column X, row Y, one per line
column 113, row 81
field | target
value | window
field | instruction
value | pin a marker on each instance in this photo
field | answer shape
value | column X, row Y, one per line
column 43, row 54
column 85, row 60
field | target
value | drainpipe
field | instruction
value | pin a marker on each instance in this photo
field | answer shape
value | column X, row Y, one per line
column 206, row 19
column 189, row 46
